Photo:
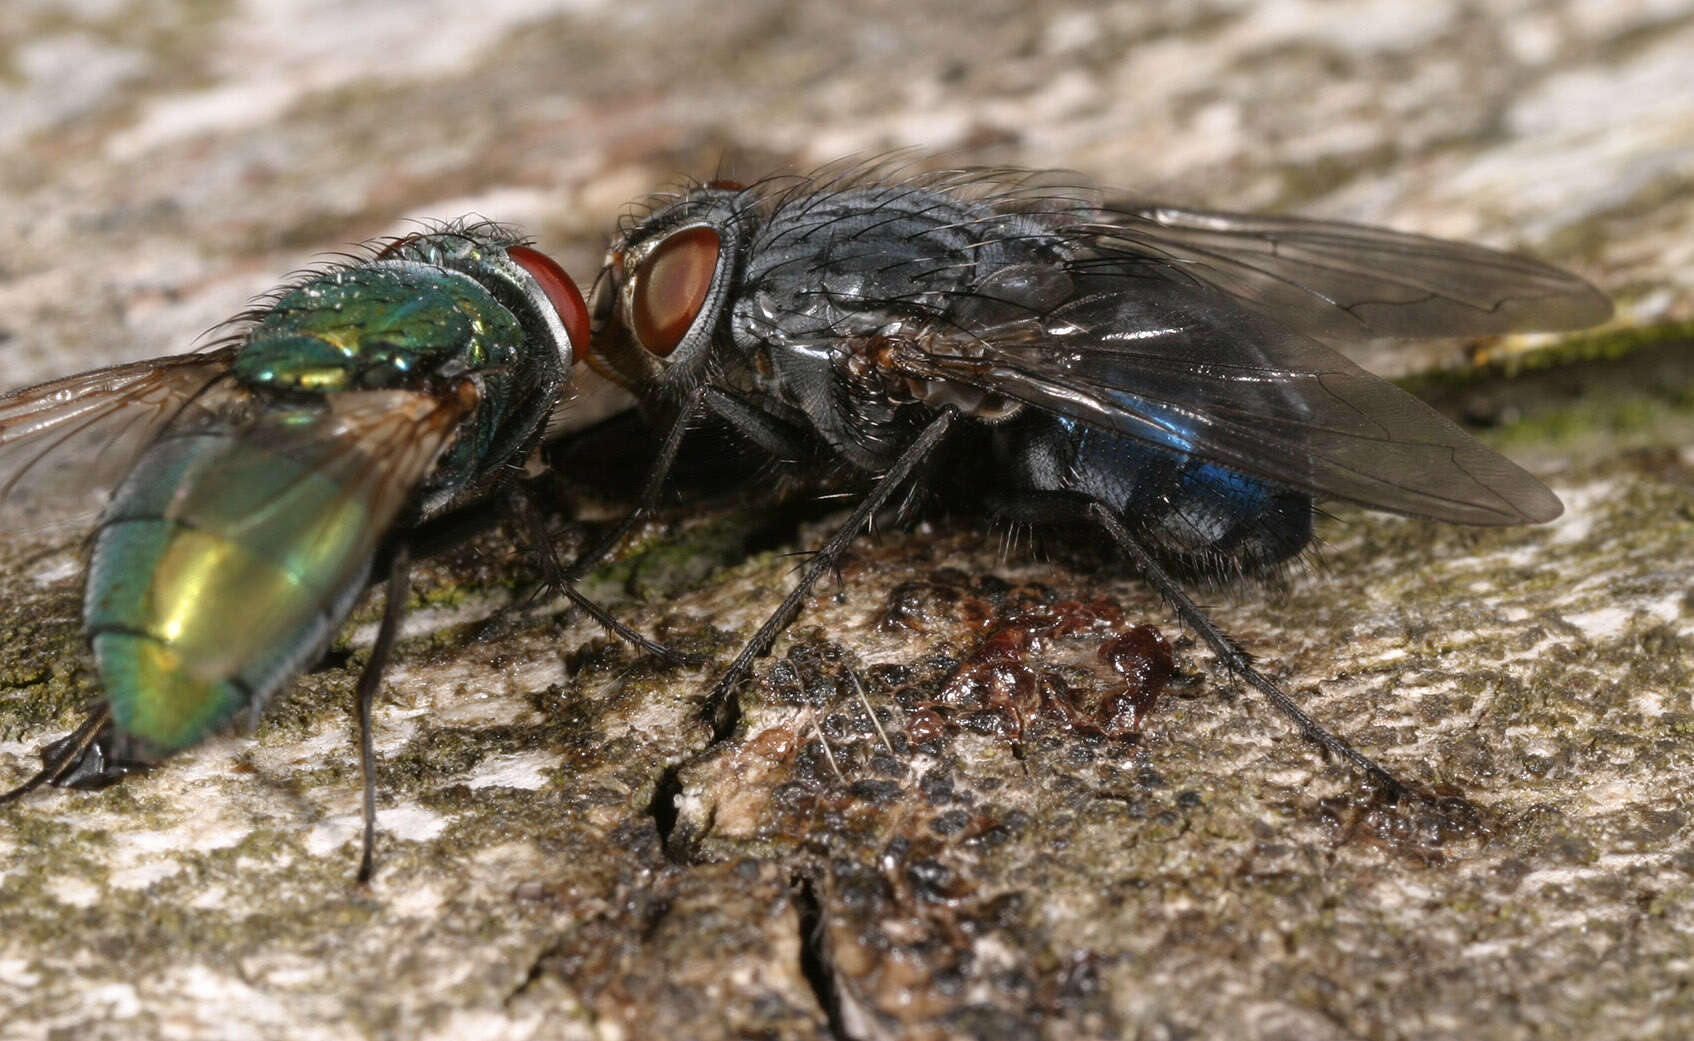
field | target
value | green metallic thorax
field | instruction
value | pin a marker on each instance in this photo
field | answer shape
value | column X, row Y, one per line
column 398, row 325
column 231, row 555
column 375, row 328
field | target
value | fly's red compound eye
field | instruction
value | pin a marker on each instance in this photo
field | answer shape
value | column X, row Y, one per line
column 560, row 290
column 670, row 287
column 395, row 247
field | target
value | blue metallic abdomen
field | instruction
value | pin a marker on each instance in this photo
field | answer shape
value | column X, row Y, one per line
column 1201, row 517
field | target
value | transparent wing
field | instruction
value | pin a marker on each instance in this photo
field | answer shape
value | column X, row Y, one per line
column 375, row 448
column 66, row 443
column 284, row 510
column 320, row 488
column 1347, row 281
column 1182, row 367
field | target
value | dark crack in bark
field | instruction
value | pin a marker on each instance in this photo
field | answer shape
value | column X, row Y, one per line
column 815, row 963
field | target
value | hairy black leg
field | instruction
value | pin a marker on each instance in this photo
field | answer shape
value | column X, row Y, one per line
column 771, row 434
column 446, row 532
column 452, row 529
column 100, row 763
column 780, row 440
column 649, row 497
column 1061, row 507
column 529, row 518
column 393, row 609
column 68, row 756
column 827, row 557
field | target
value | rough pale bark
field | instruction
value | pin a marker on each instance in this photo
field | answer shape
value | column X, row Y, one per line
column 562, row 854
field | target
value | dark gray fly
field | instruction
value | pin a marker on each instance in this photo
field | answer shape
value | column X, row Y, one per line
column 1165, row 375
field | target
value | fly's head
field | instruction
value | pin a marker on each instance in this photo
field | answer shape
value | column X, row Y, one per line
column 511, row 384
column 659, row 303
column 524, row 280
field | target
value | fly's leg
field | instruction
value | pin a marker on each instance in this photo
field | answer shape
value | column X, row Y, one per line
column 718, row 702
column 99, row 763
column 1059, row 507
column 453, row 529
column 528, row 517
column 774, row 436
column 91, row 756
column 447, row 531
column 650, row 491
column 1233, row 657
column 393, row 609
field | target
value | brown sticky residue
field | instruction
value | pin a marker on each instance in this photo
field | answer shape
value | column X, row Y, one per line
column 1425, row 829
column 1142, row 658
column 1073, row 661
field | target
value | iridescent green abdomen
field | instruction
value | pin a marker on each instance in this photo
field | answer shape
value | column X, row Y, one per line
column 223, row 566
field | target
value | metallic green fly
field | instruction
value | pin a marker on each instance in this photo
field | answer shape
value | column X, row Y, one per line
column 254, row 489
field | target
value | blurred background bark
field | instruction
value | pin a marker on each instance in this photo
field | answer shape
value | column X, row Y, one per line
column 559, row 858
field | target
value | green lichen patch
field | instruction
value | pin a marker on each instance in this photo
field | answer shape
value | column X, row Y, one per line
column 1584, row 394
